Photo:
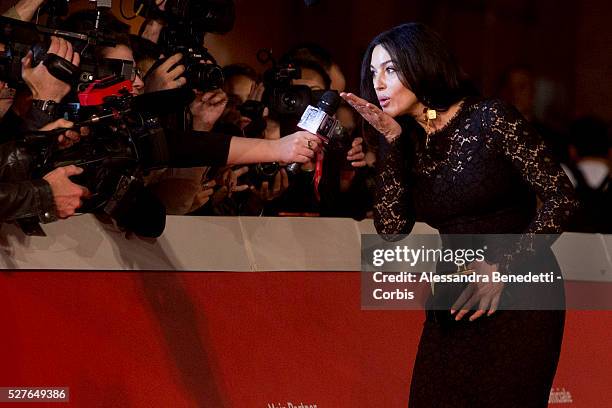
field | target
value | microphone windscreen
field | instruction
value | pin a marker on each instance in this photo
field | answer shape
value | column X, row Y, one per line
column 163, row 102
column 329, row 102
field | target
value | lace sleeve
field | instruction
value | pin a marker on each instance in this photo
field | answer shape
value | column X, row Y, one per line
column 521, row 145
column 393, row 208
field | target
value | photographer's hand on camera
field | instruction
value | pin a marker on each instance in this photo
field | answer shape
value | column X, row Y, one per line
column 70, row 136
column 207, row 108
column 44, row 86
column 230, row 180
column 66, row 194
column 268, row 193
column 166, row 75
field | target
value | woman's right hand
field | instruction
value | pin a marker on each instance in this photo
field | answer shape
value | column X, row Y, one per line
column 379, row 120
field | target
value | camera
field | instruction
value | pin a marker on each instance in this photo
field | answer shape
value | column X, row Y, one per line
column 21, row 37
column 125, row 142
column 284, row 99
column 187, row 22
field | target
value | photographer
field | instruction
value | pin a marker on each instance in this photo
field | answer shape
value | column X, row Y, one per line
column 55, row 195
column 222, row 149
column 44, row 89
column 47, row 199
column 300, row 197
column 238, row 193
column 183, row 190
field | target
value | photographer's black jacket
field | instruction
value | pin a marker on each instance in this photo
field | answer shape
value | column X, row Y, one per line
column 21, row 197
column 12, row 124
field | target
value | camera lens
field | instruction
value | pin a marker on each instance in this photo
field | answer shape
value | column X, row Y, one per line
column 205, row 77
column 289, row 100
column 267, row 169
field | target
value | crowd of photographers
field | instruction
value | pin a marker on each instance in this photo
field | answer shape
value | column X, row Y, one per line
column 74, row 140
column 134, row 127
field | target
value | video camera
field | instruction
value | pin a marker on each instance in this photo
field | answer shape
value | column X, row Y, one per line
column 284, row 99
column 125, row 142
column 125, row 139
column 21, row 37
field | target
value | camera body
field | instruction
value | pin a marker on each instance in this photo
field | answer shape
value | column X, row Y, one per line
column 211, row 16
column 201, row 70
column 283, row 98
column 187, row 22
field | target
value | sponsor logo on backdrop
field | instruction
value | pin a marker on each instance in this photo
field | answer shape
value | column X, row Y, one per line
column 289, row 404
column 560, row 396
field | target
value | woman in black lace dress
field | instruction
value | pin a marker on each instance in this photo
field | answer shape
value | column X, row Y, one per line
column 466, row 165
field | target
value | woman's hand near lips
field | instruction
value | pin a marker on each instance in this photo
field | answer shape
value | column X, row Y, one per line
column 379, row 120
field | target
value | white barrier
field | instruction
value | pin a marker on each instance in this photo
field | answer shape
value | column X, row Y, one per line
column 241, row 244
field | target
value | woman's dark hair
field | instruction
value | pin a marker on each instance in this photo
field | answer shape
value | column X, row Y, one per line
column 425, row 66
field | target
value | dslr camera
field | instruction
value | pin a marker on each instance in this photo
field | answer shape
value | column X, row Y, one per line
column 187, row 22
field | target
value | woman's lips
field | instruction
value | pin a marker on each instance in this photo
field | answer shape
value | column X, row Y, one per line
column 384, row 102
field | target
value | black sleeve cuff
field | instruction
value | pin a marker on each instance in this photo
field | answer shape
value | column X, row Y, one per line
column 196, row 149
column 37, row 118
column 47, row 210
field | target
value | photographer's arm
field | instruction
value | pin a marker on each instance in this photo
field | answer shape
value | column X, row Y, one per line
column 24, row 9
column 151, row 28
column 47, row 199
column 32, row 198
column 55, row 196
column 45, row 88
column 42, row 84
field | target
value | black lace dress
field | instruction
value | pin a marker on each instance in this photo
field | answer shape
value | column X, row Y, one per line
column 480, row 174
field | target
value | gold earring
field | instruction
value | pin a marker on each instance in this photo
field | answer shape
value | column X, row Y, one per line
column 430, row 114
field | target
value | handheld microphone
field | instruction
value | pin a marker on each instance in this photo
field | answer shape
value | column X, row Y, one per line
column 319, row 119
